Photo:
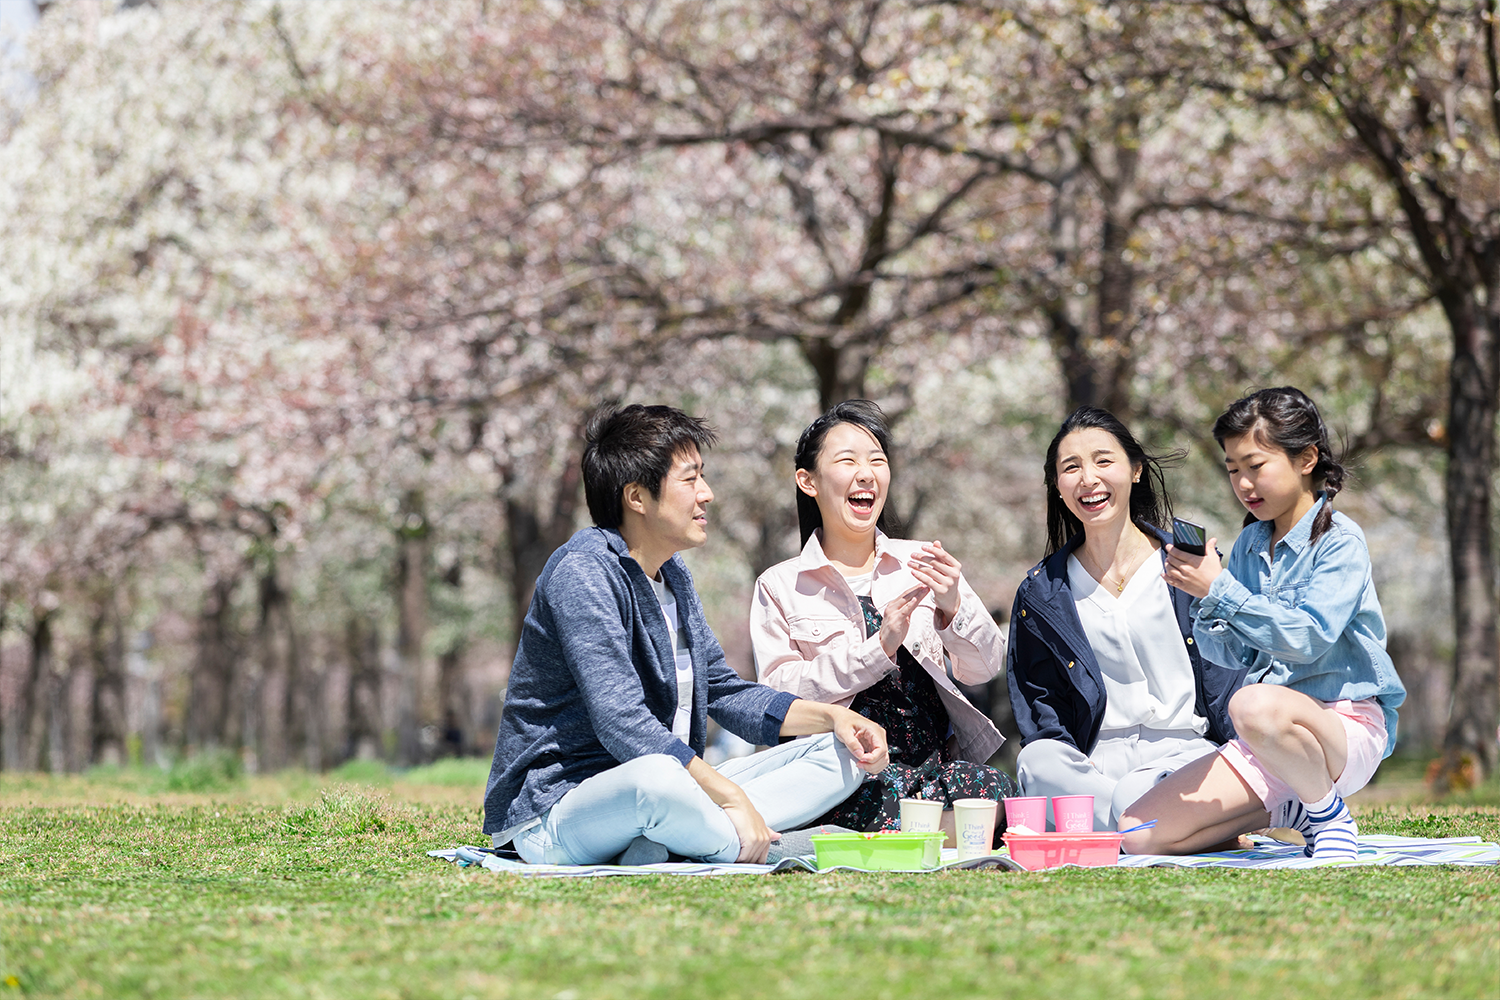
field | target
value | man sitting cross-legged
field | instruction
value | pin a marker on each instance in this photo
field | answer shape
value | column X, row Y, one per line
column 616, row 674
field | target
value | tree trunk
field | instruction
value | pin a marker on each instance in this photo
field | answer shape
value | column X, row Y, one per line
column 839, row 369
column 246, row 711
column 107, row 652
column 452, row 691
column 1468, row 743
column 5, row 722
column 531, row 539
column 362, row 647
column 1096, row 354
column 13, row 728
column 532, row 536
column 307, row 709
column 776, row 525
column 1116, row 292
column 417, row 705
column 213, row 670
column 59, row 685
column 38, row 693
column 282, row 731
column 78, row 692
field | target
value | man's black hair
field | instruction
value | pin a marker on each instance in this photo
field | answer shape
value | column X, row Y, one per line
column 634, row 444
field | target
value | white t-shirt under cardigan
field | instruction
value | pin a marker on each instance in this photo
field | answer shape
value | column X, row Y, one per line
column 682, row 721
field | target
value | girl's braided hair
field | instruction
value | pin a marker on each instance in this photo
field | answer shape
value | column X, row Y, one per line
column 1286, row 418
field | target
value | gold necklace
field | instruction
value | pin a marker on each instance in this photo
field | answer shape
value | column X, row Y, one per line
column 1124, row 577
column 1119, row 587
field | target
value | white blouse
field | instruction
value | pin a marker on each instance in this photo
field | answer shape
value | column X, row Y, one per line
column 1148, row 677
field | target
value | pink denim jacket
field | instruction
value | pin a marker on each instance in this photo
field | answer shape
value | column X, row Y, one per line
column 808, row 633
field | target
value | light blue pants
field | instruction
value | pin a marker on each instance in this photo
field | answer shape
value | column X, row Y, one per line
column 654, row 796
column 1125, row 764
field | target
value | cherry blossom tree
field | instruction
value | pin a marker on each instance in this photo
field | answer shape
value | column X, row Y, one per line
column 312, row 301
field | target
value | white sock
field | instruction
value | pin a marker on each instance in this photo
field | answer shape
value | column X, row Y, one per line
column 1331, row 832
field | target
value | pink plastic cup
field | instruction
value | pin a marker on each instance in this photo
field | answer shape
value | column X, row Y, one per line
column 1073, row 813
column 1029, row 811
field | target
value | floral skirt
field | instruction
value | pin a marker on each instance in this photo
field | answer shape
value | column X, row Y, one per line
column 876, row 805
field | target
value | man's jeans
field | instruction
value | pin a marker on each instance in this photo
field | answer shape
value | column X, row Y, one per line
column 654, row 796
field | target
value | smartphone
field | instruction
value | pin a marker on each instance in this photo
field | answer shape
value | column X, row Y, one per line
column 1188, row 537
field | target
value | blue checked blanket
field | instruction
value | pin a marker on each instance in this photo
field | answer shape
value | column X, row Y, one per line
column 1374, row 849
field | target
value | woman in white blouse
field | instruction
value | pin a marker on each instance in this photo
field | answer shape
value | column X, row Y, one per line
column 1109, row 691
column 861, row 619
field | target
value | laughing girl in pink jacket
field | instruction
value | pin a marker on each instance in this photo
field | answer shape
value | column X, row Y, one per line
column 862, row 619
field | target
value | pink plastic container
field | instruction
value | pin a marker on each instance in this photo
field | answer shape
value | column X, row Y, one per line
column 1052, row 850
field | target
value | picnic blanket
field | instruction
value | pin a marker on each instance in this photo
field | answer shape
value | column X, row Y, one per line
column 1374, row 849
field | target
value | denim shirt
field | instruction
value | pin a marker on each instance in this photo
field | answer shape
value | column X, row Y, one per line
column 1307, row 617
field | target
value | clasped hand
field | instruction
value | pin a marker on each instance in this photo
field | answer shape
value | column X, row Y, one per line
column 939, row 574
column 937, row 568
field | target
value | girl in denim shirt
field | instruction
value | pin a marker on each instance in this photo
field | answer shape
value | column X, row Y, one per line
column 1297, row 607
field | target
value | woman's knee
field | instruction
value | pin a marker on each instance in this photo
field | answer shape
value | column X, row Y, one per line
column 1139, row 842
column 1258, row 711
column 1130, row 790
column 1043, row 759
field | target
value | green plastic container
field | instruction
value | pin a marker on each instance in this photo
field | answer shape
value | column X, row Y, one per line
column 885, row 852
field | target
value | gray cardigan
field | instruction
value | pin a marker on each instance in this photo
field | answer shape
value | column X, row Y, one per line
column 595, row 680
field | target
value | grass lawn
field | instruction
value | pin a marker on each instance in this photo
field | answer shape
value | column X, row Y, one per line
column 196, row 884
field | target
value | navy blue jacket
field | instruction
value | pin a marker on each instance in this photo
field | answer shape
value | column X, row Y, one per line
column 1056, row 689
column 595, row 680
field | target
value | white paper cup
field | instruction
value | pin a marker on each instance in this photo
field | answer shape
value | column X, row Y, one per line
column 974, row 824
column 921, row 816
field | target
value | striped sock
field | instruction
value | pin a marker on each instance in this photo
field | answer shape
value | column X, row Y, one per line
column 1293, row 816
column 1331, row 832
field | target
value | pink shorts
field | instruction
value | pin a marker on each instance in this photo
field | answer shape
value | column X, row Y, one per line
column 1364, row 728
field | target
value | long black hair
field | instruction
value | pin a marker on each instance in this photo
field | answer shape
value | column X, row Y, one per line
column 1285, row 418
column 861, row 413
column 1149, row 501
